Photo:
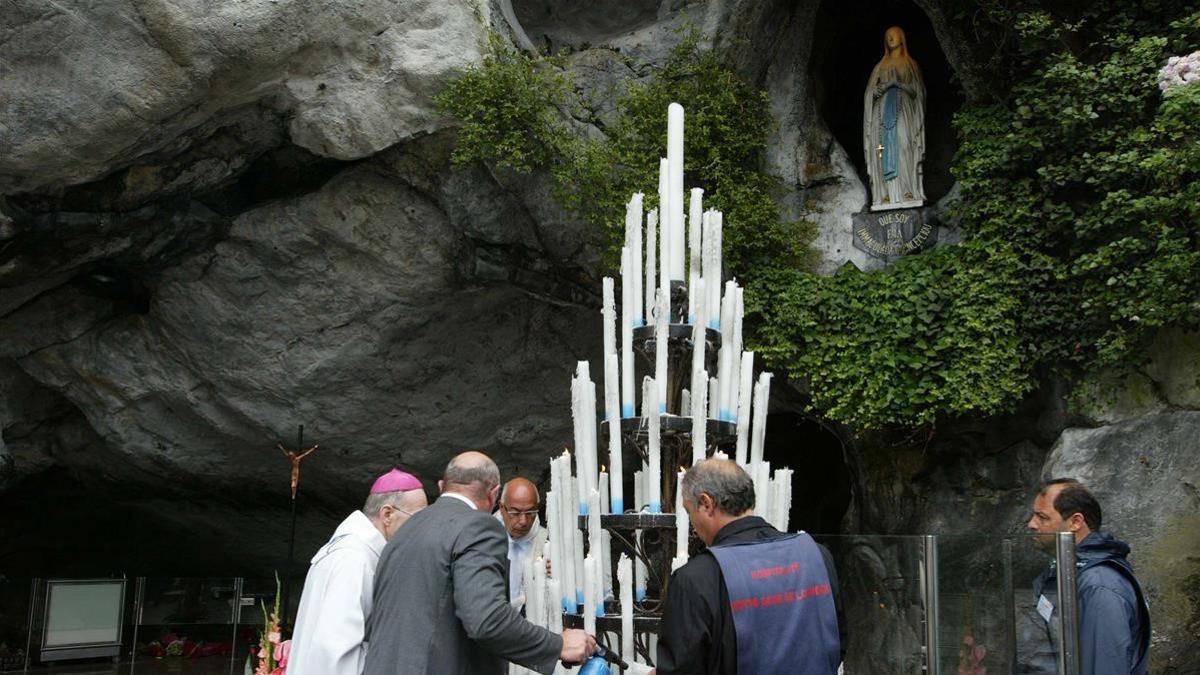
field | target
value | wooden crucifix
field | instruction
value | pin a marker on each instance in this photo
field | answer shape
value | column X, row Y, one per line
column 296, row 457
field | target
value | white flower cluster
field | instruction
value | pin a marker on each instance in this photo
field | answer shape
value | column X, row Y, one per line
column 1180, row 71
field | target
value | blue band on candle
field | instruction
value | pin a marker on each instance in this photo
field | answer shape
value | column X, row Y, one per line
column 691, row 319
column 583, row 508
column 627, row 410
column 715, row 324
column 655, row 507
column 662, row 408
column 578, row 600
column 566, row 604
column 618, row 505
column 604, row 416
column 724, row 416
column 638, row 323
column 600, row 610
column 640, row 594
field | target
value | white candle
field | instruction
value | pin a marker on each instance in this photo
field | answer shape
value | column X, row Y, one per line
column 762, row 495
column 615, row 497
column 527, row 584
column 579, row 412
column 589, row 598
column 608, row 315
column 745, row 394
column 678, row 561
column 639, row 491
column 725, row 366
column 675, row 186
column 699, row 339
column 666, row 230
column 681, row 520
column 554, row 538
column 700, row 421
column 695, row 251
column 711, row 277
column 651, row 261
column 634, row 243
column 593, row 524
column 685, row 403
column 590, row 434
column 629, row 298
column 654, row 453
column 762, row 398
column 567, row 515
column 605, row 537
column 578, row 551
column 661, row 346
column 718, row 238
column 625, row 583
column 555, row 619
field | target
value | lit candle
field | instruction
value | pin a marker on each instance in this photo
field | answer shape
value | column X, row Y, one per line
column 745, row 394
column 681, row 520
column 700, row 421
column 675, row 186
column 654, row 453
column 625, row 583
column 695, row 251
column 617, row 495
column 661, row 342
column 651, row 261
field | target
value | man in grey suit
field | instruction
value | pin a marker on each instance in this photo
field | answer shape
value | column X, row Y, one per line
column 441, row 592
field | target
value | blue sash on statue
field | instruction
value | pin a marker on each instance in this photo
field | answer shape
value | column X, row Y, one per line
column 782, row 604
column 887, row 133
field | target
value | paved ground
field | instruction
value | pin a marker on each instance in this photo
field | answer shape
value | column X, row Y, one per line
column 205, row 666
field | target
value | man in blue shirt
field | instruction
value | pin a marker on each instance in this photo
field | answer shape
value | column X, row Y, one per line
column 1114, row 620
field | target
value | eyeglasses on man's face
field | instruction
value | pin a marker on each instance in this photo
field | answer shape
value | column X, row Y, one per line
column 532, row 513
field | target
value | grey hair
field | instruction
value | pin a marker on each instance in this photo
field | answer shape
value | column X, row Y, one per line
column 728, row 484
column 478, row 478
column 376, row 502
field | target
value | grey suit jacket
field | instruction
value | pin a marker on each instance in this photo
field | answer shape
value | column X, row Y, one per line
column 441, row 601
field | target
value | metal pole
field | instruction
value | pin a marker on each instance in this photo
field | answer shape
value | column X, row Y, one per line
column 139, row 600
column 33, row 602
column 1010, row 609
column 929, row 592
column 237, row 620
column 1068, row 605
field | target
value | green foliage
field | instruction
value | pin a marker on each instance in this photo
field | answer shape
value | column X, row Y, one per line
column 507, row 105
column 1081, row 197
column 510, row 106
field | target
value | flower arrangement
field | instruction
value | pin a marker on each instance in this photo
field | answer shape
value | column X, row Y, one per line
column 1180, row 71
column 272, row 650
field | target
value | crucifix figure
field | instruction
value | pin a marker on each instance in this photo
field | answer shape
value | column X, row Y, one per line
column 296, row 458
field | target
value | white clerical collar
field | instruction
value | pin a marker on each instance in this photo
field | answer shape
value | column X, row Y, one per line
column 462, row 498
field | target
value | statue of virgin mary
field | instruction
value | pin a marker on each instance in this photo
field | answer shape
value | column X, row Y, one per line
column 894, row 127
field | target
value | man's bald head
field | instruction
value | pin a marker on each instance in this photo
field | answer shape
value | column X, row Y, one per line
column 474, row 475
column 519, row 506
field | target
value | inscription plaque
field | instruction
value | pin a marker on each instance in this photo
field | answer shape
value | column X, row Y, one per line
column 891, row 234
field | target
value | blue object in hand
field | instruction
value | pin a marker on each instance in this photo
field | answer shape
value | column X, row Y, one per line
column 595, row 666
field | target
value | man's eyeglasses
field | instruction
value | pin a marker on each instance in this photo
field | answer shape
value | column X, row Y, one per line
column 532, row 513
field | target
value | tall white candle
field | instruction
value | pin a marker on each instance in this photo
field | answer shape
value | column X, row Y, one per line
column 567, row 514
column 666, row 230
column 745, row 394
column 654, row 451
column 605, row 537
column 681, row 519
column 695, row 251
column 726, row 355
column 718, row 220
column 634, row 243
column 535, row 601
column 639, row 491
column 578, row 551
column 675, row 187
column 762, row 495
column 762, row 398
column 616, row 497
column 661, row 346
column 685, row 403
column 712, row 277
column 625, row 584
column 700, row 421
column 589, row 598
column 555, row 619
column 629, row 298
column 736, row 334
column 590, row 436
column 579, row 412
column 608, row 315
column 699, row 339
column 593, row 524
column 651, row 261
column 527, row 584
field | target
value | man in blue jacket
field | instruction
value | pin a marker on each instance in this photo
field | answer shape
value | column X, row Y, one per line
column 1114, row 620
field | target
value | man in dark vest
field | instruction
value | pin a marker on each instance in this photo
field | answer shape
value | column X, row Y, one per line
column 756, row 601
column 1114, row 619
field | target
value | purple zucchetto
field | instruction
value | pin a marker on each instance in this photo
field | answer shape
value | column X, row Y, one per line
column 395, row 481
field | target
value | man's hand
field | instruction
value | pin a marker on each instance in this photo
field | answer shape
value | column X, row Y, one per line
column 577, row 646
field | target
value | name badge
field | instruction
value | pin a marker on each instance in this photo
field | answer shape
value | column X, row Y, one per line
column 1045, row 608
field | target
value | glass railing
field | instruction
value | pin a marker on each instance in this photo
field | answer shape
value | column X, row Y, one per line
column 952, row 604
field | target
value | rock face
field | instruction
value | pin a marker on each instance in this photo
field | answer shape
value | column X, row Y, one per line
column 224, row 221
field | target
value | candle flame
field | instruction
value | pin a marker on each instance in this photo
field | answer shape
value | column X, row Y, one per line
column 602, row 468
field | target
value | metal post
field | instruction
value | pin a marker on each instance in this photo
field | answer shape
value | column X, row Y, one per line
column 929, row 591
column 237, row 620
column 33, row 605
column 1068, row 605
column 139, row 601
column 285, row 586
column 1010, row 609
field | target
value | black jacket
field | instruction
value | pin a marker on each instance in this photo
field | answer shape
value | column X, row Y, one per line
column 697, row 635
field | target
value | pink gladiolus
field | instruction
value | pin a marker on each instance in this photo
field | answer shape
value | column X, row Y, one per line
column 284, row 651
column 273, row 637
